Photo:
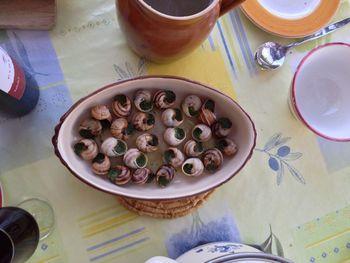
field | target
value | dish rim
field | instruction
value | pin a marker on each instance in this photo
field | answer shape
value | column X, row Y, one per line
column 76, row 104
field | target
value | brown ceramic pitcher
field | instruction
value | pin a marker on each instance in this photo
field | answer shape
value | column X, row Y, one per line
column 164, row 30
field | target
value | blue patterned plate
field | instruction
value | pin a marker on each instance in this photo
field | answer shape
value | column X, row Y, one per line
column 220, row 252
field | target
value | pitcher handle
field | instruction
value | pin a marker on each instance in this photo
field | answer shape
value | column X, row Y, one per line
column 227, row 5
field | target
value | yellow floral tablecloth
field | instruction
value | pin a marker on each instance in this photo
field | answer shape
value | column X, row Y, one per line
column 292, row 198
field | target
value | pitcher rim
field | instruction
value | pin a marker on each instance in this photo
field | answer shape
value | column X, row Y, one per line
column 179, row 18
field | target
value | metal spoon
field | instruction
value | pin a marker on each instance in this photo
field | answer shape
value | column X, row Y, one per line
column 271, row 55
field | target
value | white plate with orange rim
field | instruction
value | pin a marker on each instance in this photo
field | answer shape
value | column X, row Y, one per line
column 290, row 19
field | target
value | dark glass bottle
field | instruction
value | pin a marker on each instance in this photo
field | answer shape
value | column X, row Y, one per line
column 19, row 235
column 19, row 92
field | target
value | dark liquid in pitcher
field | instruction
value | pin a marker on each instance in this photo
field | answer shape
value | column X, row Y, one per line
column 179, row 7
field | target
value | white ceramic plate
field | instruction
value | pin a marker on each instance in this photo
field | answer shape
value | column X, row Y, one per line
column 295, row 9
column 320, row 91
column 66, row 135
column 222, row 252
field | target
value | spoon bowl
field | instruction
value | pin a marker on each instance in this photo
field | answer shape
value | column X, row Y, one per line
column 270, row 55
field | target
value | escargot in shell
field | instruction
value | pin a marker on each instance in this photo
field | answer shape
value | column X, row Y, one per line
column 164, row 99
column 121, row 129
column 147, row 143
column 201, row 133
column 121, row 106
column 174, row 136
column 87, row 149
column 165, row 175
column 143, row 100
column 193, row 167
column 101, row 164
column 142, row 176
column 102, row 114
column 135, row 159
column 172, row 117
column 174, row 157
column 227, row 146
column 222, row 127
column 119, row 175
column 191, row 105
column 90, row 128
column 193, row 148
column 113, row 147
column 206, row 114
column 143, row 121
column 212, row 160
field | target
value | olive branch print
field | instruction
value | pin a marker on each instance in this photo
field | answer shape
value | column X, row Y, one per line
column 279, row 157
column 272, row 243
column 127, row 71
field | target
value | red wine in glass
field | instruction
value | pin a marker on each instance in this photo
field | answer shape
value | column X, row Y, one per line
column 6, row 247
column 19, row 235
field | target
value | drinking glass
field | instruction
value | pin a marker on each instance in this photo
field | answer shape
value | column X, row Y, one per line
column 43, row 213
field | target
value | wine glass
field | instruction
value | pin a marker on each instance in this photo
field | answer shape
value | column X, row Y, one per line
column 19, row 235
column 40, row 209
column 43, row 213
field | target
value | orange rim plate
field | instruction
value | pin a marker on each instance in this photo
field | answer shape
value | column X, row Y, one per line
column 297, row 18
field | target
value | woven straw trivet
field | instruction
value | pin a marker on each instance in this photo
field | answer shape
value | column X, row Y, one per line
column 165, row 209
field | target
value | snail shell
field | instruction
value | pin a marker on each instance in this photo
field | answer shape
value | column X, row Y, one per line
column 193, row 148
column 87, row 149
column 101, row 164
column 143, row 100
column 147, row 142
column 172, row 117
column 212, row 160
column 206, row 114
column 135, row 159
column 102, row 113
column 227, row 146
column 143, row 121
column 119, row 175
column 222, row 127
column 121, row 106
column 165, row 175
column 113, row 147
column 164, row 99
column 142, row 176
column 201, row 133
column 193, row 167
column 90, row 128
column 174, row 157
column 174, row 136
column 121, row 129
column 191, row 105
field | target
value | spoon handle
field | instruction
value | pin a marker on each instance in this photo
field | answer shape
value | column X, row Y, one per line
column 325, row 31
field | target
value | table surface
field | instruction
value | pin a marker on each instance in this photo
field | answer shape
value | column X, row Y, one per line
column 292, row 197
